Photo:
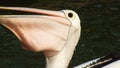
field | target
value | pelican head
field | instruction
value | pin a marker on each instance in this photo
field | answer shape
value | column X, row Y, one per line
column 55, row 33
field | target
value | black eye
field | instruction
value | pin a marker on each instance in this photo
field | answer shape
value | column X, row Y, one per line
column 70, row 15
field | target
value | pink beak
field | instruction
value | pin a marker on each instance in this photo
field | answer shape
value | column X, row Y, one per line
column 46, row 32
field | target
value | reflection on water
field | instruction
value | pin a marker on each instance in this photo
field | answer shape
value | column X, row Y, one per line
column 100, row 32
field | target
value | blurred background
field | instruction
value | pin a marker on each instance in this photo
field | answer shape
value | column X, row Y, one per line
column 100, row 22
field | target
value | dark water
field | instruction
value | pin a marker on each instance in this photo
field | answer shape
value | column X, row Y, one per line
column 100, row 21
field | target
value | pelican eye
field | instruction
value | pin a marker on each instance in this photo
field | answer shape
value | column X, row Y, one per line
column 70, row 15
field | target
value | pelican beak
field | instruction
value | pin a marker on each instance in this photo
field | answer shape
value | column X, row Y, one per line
column 46, row 31
column 34, row 10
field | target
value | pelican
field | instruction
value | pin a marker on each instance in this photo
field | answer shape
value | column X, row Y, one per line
column 55, row 33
